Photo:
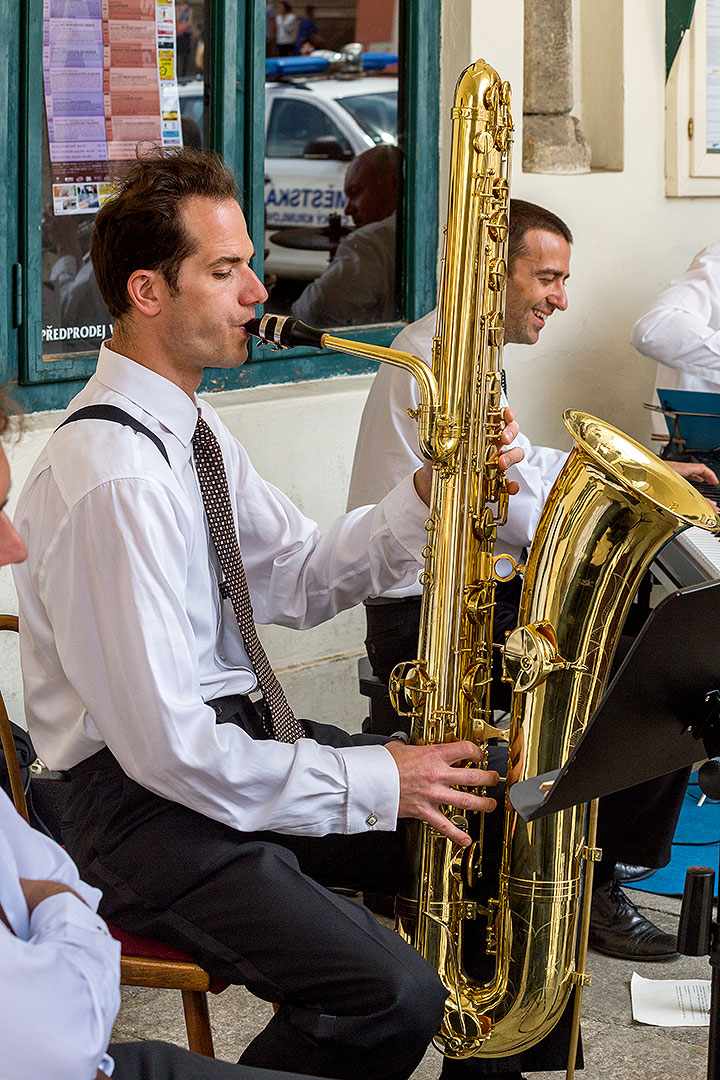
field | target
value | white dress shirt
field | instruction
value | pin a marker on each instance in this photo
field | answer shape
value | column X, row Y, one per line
column 60, row 985
column 123, row 633
column 387, row 450
column 681, row 331
column 359, row 285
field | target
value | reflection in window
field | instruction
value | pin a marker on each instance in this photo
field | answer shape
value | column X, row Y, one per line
column 106, row 95
column 331, row 236
column 376, row 114
column 294, row 125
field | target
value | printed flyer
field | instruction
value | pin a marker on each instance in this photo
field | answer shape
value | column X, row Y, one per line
column 109, row 71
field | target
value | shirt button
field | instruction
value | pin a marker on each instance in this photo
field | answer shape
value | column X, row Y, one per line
column 371, row 819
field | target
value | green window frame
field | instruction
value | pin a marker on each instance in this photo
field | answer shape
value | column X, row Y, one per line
column 237, row 132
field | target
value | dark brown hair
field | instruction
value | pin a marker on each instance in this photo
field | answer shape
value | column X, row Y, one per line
column 525, row 216
column 141, row 228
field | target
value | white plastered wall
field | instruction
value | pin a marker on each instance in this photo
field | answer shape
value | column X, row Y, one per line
column 629, row 240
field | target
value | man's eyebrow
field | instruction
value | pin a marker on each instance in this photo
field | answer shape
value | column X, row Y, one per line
column 553, row 271
column 232, row 259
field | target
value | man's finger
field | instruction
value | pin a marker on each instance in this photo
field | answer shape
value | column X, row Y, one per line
column 511, row 457
column 459, row 751
column 510, row 432
column 442, row 824
column 473, row 778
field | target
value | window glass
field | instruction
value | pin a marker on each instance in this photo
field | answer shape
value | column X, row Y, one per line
column 92, row 88
column 295, row 124
column 376, row 114
column 118, row 75
column 333, row 172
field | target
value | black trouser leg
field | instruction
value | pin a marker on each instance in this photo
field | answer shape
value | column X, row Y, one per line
column 162, row 1061
column 637, row 825
column 355, row 1001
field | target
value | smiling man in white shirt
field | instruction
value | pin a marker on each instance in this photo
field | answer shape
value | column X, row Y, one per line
column 198, row 825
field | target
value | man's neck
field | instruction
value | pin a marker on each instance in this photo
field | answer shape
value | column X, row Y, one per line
column 149, row 355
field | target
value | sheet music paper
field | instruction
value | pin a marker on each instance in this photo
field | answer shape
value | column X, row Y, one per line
column 670, row 1002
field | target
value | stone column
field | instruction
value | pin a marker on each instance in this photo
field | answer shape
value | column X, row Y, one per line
column 553, row 141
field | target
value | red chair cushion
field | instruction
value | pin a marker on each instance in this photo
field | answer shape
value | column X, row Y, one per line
column 136, row 945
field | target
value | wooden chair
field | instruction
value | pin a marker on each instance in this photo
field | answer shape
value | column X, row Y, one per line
column 144, row 961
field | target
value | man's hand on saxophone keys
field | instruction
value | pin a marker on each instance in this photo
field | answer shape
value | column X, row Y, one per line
column 429, row 779
column 508, row 455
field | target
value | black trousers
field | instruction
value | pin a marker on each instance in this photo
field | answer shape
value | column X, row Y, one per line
column 163, row 1061
column 355, row 1001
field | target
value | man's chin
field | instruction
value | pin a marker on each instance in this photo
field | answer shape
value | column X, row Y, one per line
column 231, row 359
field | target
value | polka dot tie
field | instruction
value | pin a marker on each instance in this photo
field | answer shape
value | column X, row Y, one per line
column 278, row 718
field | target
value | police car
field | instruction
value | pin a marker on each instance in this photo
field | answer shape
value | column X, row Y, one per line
column 315, row 124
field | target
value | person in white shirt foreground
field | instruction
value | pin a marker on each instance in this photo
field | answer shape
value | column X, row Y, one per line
column 681, row 331
column 60, row 990
column 198, row 825
column 635, row 826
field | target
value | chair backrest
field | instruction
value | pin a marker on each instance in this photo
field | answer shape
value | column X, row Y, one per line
column 10, row 622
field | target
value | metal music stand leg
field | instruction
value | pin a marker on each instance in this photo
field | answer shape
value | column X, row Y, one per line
column 713, row 1071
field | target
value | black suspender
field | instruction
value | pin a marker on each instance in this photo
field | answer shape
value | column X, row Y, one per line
column 116, row 416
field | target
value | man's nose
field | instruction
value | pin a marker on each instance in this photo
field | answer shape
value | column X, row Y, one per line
column 558, row 296
column 254, row 292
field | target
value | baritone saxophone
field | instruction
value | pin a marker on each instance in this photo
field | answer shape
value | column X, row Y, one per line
column 507, row 948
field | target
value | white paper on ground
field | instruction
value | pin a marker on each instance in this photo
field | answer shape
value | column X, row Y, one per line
column 670, row 1002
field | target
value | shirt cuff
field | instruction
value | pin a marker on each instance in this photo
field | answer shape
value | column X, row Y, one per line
column 373, row 789
column 406, row 514
column 64, row 915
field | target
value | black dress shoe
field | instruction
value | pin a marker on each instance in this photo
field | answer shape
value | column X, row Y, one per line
column 627, row 872
column 618, row 929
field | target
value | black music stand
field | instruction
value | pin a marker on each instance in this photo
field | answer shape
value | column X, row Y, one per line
column 660, row 712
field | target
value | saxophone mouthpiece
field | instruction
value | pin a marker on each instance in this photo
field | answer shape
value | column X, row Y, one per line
column 285, row 332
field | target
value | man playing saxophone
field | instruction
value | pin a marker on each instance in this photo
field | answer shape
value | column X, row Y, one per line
column 209, row 819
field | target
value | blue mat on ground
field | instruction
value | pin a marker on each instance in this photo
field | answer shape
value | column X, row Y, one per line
column 696, row 843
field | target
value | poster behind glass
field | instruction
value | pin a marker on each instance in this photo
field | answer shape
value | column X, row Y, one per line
column 333, row 171
column 116, row 74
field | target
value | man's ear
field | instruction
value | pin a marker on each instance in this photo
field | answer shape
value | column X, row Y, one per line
column 147, row 290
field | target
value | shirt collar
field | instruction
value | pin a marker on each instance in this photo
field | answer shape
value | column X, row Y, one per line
column 151, row 392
